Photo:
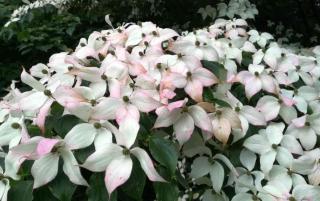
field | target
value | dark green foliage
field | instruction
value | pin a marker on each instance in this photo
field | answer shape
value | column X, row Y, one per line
column 62, row 188
column 97, row 190
column 40, row 33
column 134, row 187
column 299, row 15
column 166, row 191
column 164, row 151
column 216, row 68
column 21, row 190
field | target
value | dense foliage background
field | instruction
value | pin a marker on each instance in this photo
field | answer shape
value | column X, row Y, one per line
column 46, row 30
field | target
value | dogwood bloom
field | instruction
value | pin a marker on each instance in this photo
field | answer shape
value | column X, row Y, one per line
column 271, row 107
column 183, row 119
column 305, row 129
column 256, row 79
column 266, row 143
column 261, row 39
column 223, row 120
column 312, row 156
column 116, row 161
column 46, row 153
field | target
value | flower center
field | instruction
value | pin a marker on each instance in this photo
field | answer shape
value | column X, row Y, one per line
column 185, row 109
column 292, row 199
column 274, row 146
column 93, row 102
column 211, row 161
column 97, row 125
column 125, row 99
column 47, row 92
column 237, row 109
column 154, row 33
column 44, row 71
column 189, row 75
column 111, row 52
column 129, row 49
column 159, row 66
column 126, row 151
column 15, row 125
column 255, row 198
column 104, row 77
column 54, row 149
column 101, row 57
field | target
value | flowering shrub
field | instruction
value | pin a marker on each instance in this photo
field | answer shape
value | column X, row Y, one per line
column 19, row 12
column 221, row 113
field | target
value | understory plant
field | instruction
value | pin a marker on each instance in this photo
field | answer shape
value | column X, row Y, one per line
column 139, row 112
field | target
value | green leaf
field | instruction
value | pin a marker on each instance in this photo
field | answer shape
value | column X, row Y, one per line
column 33, row 130
column 22, row 190
column 56, row 112
column 65, row 124
column 195, row 146
column 97, row 190
column 246, row 59
column 83, row 154
column 216, row 68
column 135, row 185
column 166, row 191
column 222, row 103
column 210, row 196
column 209, row 97
column 164, row 151
column 62, row 188
column 43, row 193
column 56, row 109
column 239, row 92
column 147, row 120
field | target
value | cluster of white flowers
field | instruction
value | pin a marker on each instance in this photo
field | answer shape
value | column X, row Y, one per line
column 22, row 10
column 117, row 74
column 234, row 8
